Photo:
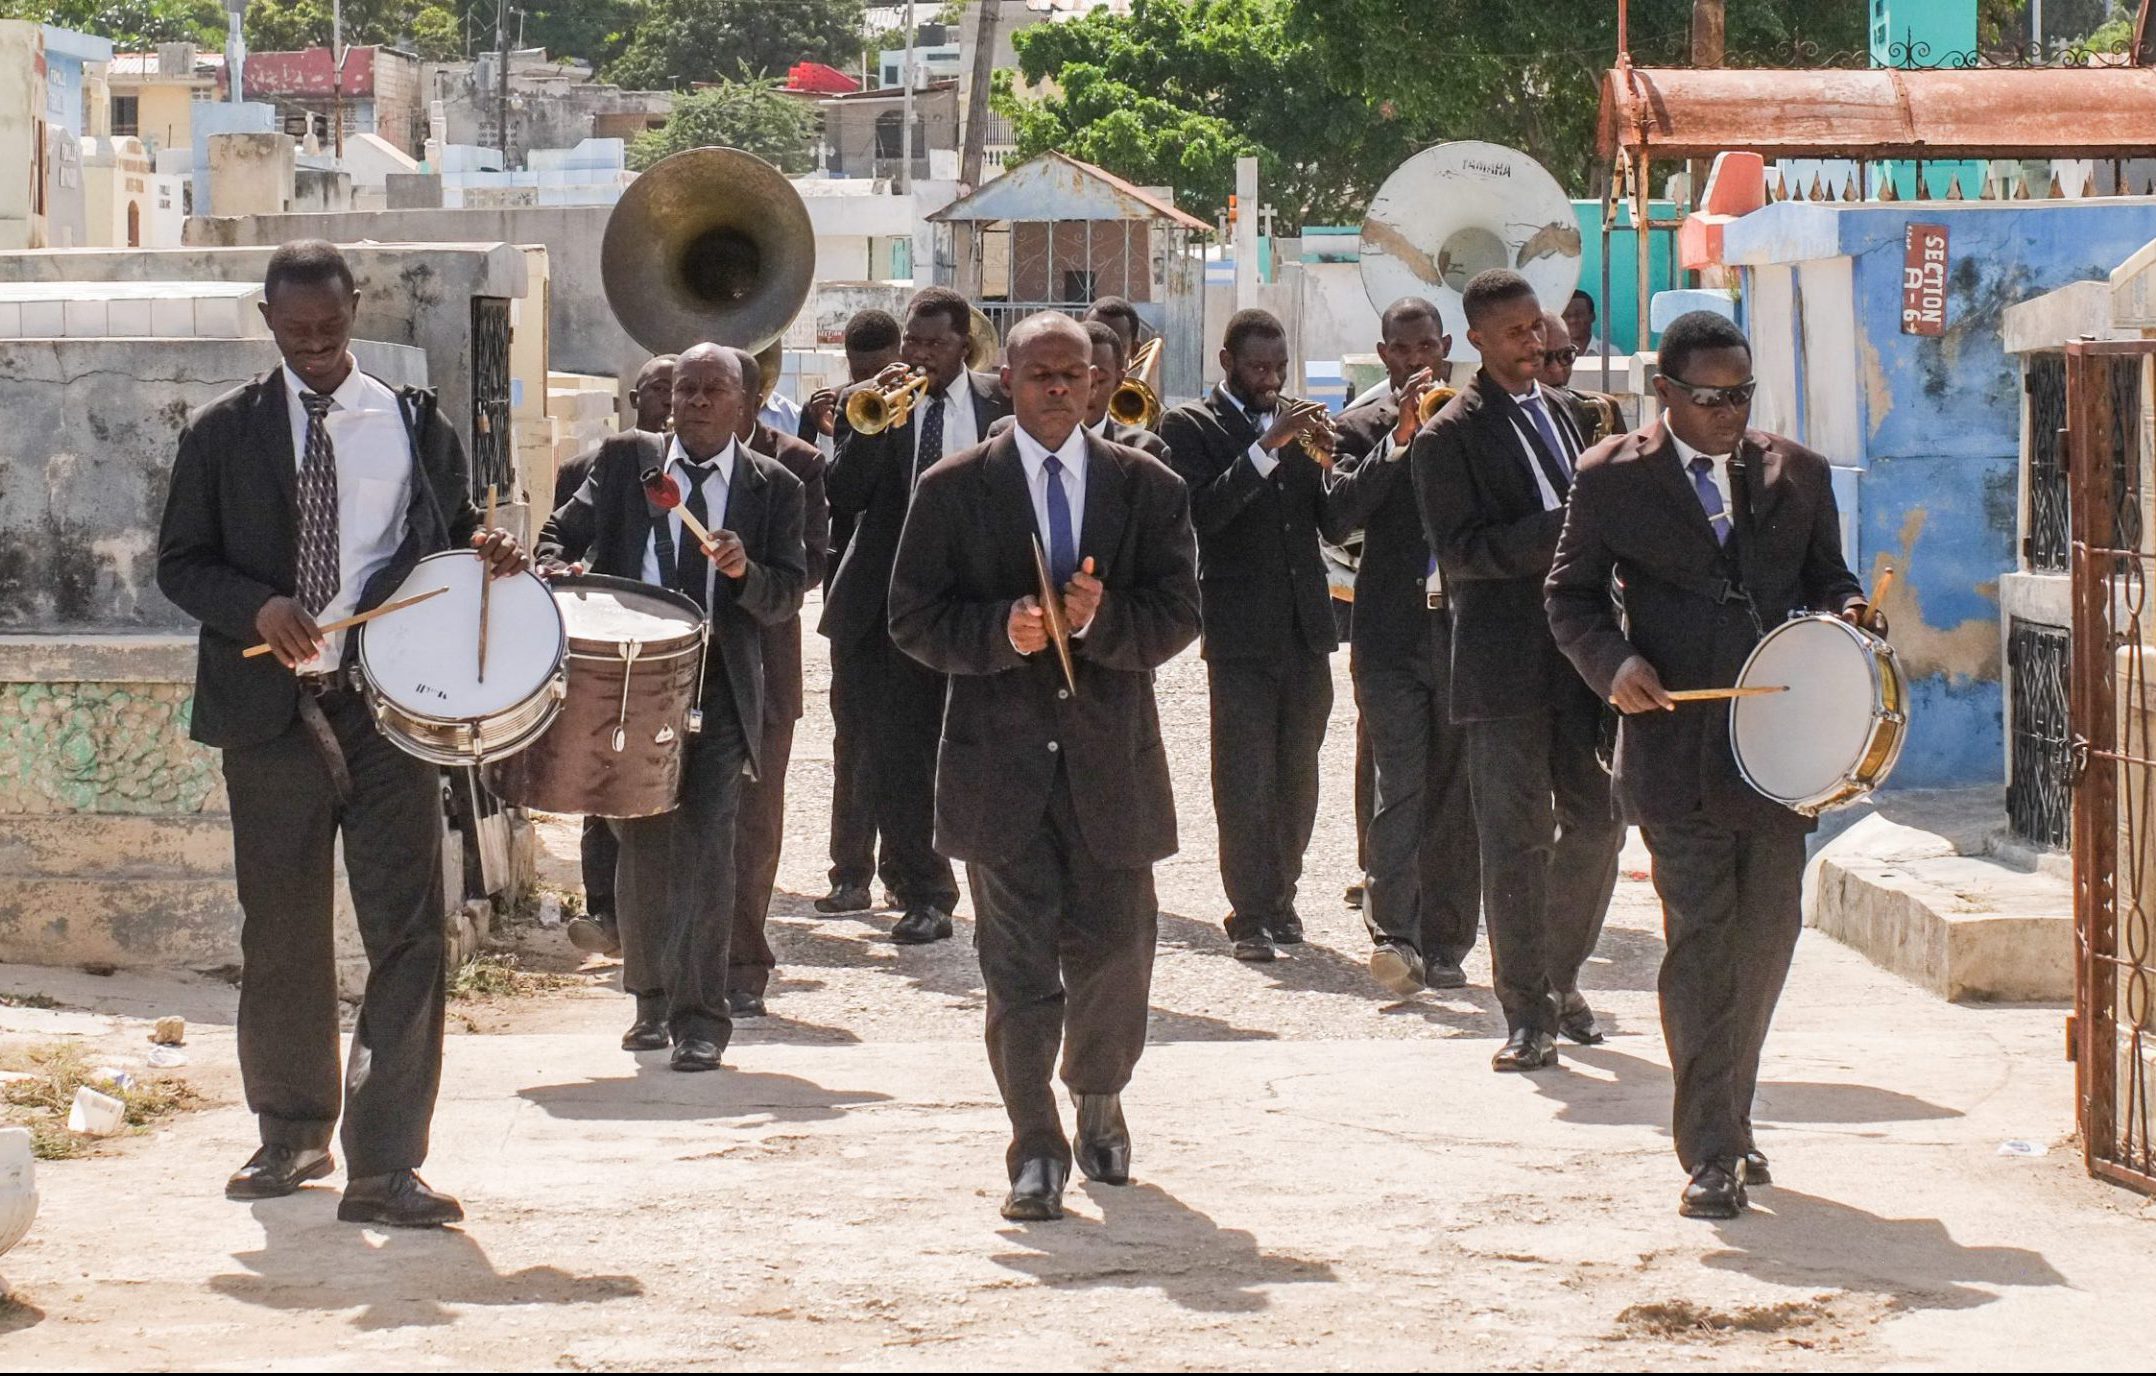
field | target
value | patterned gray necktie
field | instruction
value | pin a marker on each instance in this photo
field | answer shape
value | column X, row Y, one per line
column 319, row 567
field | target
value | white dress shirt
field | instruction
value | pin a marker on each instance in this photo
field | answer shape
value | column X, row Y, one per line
column 1261, row 458
column 959, row 428
column 1718, row 475
column 1535, row 396
column 1034, row 455
column 374, row 487
column 781, row 414
column 716, row 485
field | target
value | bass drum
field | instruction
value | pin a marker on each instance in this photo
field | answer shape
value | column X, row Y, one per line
column 636, row 667
column 1837, row 731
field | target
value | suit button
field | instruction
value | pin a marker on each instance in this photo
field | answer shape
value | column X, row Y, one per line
column 1053, row 747
column 1062, row 693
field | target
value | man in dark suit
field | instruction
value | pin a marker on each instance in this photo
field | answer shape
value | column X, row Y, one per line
column 894, row 700
column 1108, row 374
column 677, row 869
column 651, row 398
column 872, row 345
column 1055, row 794
column 1257, row 501
column 1491, row 472
column 1119, row 315
column 761, row 830
column 1714, row 530
column 299, row 499
column 1424, row 888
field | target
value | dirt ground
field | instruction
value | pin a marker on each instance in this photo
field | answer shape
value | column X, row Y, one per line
column 1323, row 1179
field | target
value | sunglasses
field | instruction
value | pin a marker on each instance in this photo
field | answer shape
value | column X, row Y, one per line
column 1565, row 355
column 1713, row 397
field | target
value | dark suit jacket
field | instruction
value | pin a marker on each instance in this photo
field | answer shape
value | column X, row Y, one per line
column 871, row 479
column 1482, row 513
column 1634, row 516
column 1376, row 495
column 966, row 557
column 782, row 642
column 1115, row 432
column 230, row 542
column 1259, row 570
column 609, row 519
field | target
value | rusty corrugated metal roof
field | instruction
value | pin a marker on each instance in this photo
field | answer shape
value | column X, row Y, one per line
column 1051, row 187
column 2069, row 112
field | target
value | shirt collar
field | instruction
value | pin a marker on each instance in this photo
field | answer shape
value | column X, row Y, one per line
column 1532, row 394
column 1033, row 454
column 351, row 394
column 723, row 461
column 1237, row 403
column 1098, row 429
column 1686, row 453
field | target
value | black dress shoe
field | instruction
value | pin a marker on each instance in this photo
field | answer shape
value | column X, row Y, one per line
column 1755, row 1168
column 597, row 936
column 845, row 898
column 1288, row 930
column 920, row 926
column 274, row 1172
column 1577, row 1021
column 1353, row 896
column 1443, row 972
column 1397, row 966
column 399, row 1199
column 1716, row 1191
column 648, row 1032
column 695, row 1054
column 1255, row 949
column 1037, row 1193
column 743, row 1004
column 1103, row 1139
column 1526, row 1049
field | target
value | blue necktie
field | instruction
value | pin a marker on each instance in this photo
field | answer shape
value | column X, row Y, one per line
column 1554, row 467
column 1062, row 549
column 1710, row 497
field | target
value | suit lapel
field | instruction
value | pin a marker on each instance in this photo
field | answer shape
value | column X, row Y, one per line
column 1010, row 508
column 1107, row 507
column 1662, row 461
column 1232, row 417
column 273, row 440
column 1763, row 483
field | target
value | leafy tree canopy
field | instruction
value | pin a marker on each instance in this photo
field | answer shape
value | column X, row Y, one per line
column 431, row 29
column 751, row 114
column 679, row 43
column 132, row 25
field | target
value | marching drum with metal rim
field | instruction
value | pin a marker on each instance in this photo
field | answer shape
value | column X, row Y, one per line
column 636, row 669
column 420, row 667
column 1836, row 732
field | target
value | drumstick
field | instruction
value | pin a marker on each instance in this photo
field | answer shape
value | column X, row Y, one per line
column 486, row 588
column 1879, row 590
column 1757, row 690
column 348, row 622
column 665, row 494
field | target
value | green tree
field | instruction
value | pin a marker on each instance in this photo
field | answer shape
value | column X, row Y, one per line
column 751, row 114
column 434, row 29
column 678, row 43
column 594, row 31
column 132, row 25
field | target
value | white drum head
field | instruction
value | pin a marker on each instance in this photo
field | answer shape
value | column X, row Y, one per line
column 1797, row 746
column 425, row 659
column 614, row 616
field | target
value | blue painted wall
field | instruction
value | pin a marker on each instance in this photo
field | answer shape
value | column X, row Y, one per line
column 1937, row 485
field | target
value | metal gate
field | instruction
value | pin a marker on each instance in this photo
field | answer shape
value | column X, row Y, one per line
column 2112, row 1037
column 490, row 398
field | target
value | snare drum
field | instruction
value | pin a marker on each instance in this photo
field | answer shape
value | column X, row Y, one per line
column 1835, row 734
column 419, row 667
column 636, row 662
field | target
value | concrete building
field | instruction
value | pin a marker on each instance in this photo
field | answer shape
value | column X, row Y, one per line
column 154, row 94
column 551, row 104
column 127, row 202
column 378, row 93
column 864, row 132
column 45, row 88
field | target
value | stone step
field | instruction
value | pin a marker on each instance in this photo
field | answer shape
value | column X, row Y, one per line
column 103, row 310
column 178, row 923
column 116, row 846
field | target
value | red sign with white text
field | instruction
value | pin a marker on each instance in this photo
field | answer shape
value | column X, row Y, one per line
column 1923, row 280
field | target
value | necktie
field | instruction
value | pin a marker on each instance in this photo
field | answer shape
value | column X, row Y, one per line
column 931, row 449
column 1710, row 497
column 1062, row 548
column 319, row 572
column 1553, row 462
column 695, row 569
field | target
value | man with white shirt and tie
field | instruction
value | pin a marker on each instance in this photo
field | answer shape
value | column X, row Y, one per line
column 675, row 901
column 1717, row 531
column 1257, row 501
column 1492, row 471
column 871, row 481
column 302, row 497
column 1056, row 794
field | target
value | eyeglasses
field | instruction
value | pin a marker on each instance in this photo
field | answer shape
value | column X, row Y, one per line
column 1565, row 355
column 1713, row 397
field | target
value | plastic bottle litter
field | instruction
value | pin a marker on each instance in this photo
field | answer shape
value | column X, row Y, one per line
column 169, row 1031
column 2021, row 1146
column 167, row 1057
column 95, row 1114
column 112, row 1075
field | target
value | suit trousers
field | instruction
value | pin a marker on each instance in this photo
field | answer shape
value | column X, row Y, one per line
column 758, row 837
column 1365, row 788
column 1425, row 868
column 601, row 855
column 286, row 822
column 853, row 766
column 1549, row 850
column 1268, row 725
column 1731, row 912
column 1066, row 951
column 676, row 898
column 900, row 704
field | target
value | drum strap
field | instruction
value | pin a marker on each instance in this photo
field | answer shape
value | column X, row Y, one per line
column 324, row 737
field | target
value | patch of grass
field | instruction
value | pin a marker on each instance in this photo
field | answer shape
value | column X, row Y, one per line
column 56, row 1070
column 28, row 1001
column 1681, row 1318
column 500, row 975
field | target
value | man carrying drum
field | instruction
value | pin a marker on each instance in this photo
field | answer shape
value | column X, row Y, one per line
column 1715, row 531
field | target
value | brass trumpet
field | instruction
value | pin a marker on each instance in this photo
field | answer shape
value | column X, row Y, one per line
column 873, row 410
column 1136, row 400
column 1433, row 401
column 1321, row 440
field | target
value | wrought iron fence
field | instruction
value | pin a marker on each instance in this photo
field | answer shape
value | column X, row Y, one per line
column 491, row 449
column 2040, row 791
